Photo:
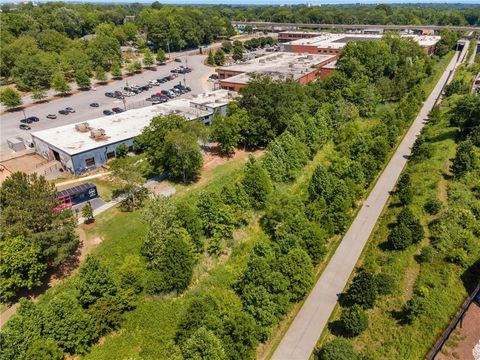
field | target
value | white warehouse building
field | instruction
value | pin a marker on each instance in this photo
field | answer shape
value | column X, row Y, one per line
column 85, row 146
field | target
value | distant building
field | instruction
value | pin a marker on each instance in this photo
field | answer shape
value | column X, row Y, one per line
column 286, row 36
column 279, row 66
column 88, row 145
column 332, row 43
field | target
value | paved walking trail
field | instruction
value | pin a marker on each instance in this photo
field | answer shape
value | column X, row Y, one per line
column 301, row 337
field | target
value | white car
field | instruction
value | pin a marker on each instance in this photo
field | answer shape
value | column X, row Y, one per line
column 154, row 82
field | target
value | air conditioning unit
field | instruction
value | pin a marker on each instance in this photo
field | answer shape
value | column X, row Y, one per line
column 97, row 134
column 83, row 127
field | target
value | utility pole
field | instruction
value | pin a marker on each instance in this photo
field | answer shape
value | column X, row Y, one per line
column 168, row 49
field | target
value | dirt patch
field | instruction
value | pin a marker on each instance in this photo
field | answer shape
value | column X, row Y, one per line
column 466, row 335
column 410, row 278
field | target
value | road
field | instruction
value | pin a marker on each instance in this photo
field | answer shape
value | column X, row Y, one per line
column 266, row 24
column 9, row 122
column 305, row 330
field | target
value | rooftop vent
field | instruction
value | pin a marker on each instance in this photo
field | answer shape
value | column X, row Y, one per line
column 83, row 127
column 261, row 61
column 98, row 134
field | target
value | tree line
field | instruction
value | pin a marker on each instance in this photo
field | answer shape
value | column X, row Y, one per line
column 43, row 46
column 358, row 14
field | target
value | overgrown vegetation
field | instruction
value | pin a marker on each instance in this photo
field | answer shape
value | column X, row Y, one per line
column 428, row 246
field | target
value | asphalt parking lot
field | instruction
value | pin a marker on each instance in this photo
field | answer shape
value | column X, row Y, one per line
column 197, row 80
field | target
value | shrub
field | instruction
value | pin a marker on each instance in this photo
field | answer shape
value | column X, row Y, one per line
column 413, row 309
column 354, row 320
column 95, row 281
column 426, row 255
column 363, row 290
column 203, row 344
column 44, row 350
column 337, row 349
column 432, row 206
column 121, row 151
column 404, row 189
column 385, row 284
column 400, row 237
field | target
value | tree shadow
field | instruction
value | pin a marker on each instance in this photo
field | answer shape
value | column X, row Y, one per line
column 15, row 109
column 43, row 101
column 471, row 277
column 337, row 329
column 447, row 135
column 399, row 317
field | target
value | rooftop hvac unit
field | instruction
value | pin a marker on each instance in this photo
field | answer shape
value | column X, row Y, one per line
column 218, row 100
column 83, row 127
column 310, row 57
column 261, row 61
column 290, row 65
column 98, row 134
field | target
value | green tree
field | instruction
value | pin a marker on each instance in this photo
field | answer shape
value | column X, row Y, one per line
column 219, row 57
column 175, row 263
column 44, row 350
column 297, row 267
column 161, row 57
column 82, row 79
column 240, row 335
column 94, row 282
column 39, row 94
column 27, row 202
column 106, row 315
column 413, row 309
column 116, row 71
column 210, row 58
column 400, row 237
column 22, row 266
column 34, row 70
column 131, row 274
column 354, row 320
column 104, row 50
column 256, row 182
column 237, row 50
column 68, row 324
column 10, row 98
column 321, row 184
column 226, row 131
column 432, row 206
column 182, row 156
column 203, row 344
column 465, row 159
column 87, row 213
column 148, row 59
column 404, row 189
column 121, row 151
column 227, row 46
column 362, row 291
column 337, row 349
column 59, row 83
column 21, row 331
column 100, row 74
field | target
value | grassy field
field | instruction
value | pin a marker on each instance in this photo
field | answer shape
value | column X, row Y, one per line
column 386, row 337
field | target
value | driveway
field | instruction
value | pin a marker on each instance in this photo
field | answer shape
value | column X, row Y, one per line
column 302, row 335
column 197, row 80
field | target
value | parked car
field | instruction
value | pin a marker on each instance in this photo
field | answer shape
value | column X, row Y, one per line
column 34, row 119
column 70, row 110
column 117, row 110
column 154, row 82
column 51, row 116
column 110, row 94
column 107, row 112
column 24, row 127
column 178, row 60
column 26, row 121
column 64, row 112
column 94, row 105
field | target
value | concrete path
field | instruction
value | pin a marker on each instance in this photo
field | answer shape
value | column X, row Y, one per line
column 301, row 337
